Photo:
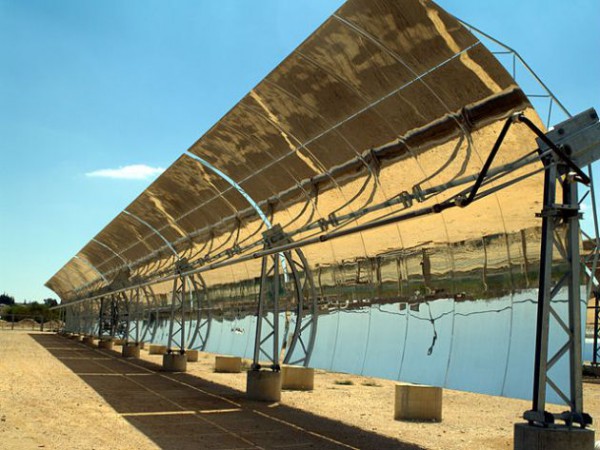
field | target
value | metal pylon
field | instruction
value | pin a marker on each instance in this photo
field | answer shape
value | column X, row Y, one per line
column 179, row 309
column 560, row 237
column 111, row 318
column 285, row 281
column 132, row 316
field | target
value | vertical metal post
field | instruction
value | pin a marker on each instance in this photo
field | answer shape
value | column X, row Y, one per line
column 543, row 311
column 260, row 312
column 571, row 201
column 137, row 315
column 178, row 309
column 101, row 317
column 80, row 317
column 172, row 318
column 275, row 299
column 128, row 318
column 567, row 215
column 183, row 318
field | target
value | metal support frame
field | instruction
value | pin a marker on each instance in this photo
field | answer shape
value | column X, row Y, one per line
column 179, row 310
column 275, row 289
column 269, row 291
column 560, row 237
column 112, row 321
column 132, row 317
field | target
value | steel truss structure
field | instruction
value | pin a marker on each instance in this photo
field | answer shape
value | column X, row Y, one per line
column 579, row 138
column 294, row 286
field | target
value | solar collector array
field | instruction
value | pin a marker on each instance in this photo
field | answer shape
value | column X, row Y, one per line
column 383, row 97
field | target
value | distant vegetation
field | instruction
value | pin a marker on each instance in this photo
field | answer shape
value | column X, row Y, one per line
column 10, row 308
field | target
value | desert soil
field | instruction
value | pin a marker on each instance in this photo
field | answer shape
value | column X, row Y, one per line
column 59, row 394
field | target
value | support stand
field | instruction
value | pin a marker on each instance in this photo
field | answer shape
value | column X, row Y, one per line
column 131, row 347
column 281, row 272
column 174, row 360
column 560, row 232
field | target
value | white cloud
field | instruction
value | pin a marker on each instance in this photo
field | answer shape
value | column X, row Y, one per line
column 132, row 172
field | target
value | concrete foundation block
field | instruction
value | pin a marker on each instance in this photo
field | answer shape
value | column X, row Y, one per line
column 418, row 402
column 531, row 437
column 297, row 378
column 131, row 350
column 174, row 362
column 155, row 349
column 192, row 355
column 228, row 364
column 106, row 344
column 75, row 337
column 263, row 385
column 88, row 340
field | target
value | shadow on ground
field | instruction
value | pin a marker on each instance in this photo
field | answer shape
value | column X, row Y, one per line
column 182, row 411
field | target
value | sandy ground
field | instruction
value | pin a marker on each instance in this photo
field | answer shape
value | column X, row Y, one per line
column 59, row 394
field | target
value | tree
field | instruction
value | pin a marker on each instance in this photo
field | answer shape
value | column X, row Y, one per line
column 50, row 302
column 6, row 299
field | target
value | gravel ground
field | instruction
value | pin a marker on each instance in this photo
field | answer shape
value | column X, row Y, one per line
column 58, row 394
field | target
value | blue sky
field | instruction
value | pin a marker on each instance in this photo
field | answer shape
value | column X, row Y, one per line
column 88, row 86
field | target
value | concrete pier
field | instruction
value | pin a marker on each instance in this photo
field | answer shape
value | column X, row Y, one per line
column 155, row 349
column 228, row 364
column 174, row 362
column 297, row 378
column 131, row 350
column 192, row 355
column 552, row 438
column 106, row 344
column 418, row 402
column 88, row 340
column 263, row 385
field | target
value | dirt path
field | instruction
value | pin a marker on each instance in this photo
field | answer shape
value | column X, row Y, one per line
column 58, row 394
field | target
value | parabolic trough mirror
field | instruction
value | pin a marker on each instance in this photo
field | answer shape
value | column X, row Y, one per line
column 390, row 109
